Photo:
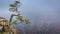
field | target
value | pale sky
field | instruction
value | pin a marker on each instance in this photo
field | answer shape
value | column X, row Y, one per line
column 37, row 10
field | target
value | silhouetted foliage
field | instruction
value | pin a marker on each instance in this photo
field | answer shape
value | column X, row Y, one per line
column 7, row 24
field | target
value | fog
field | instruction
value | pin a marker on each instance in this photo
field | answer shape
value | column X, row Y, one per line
column 44, row 16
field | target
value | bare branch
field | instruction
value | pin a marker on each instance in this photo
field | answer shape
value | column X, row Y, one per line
column 10, row 20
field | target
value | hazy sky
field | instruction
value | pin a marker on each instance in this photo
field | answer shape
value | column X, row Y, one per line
column 32, row 6
column 38, row 10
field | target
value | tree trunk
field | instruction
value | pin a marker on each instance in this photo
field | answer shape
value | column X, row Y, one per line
column 12, row 17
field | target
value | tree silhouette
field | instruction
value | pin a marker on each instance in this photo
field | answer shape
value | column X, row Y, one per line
column 7, row 24
column 14, row 8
